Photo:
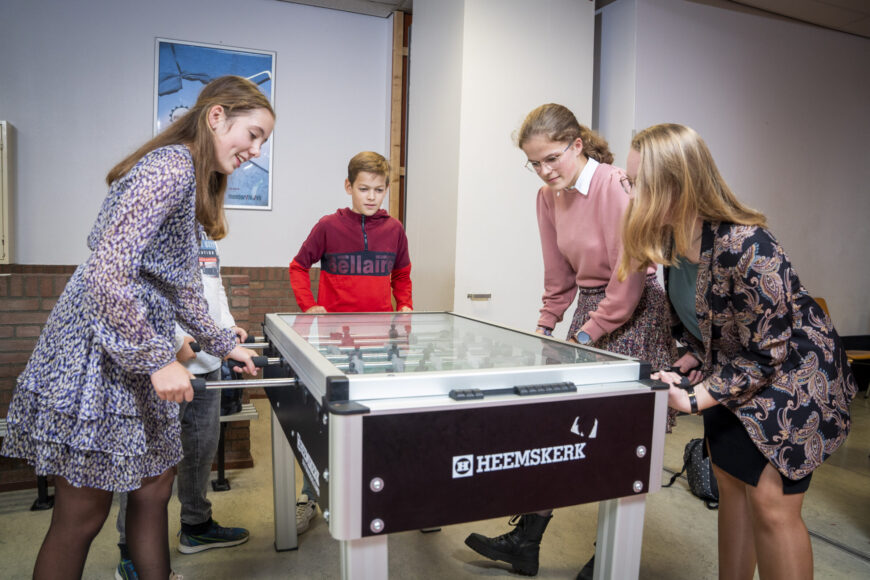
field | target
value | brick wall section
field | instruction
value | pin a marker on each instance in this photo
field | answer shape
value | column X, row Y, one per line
column 237, row 439
column 29, row 292
column 269, row 291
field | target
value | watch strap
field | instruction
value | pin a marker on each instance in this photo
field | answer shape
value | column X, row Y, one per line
column 693, row 401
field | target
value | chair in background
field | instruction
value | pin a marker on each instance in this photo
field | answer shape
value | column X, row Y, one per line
column 857, row 351
column 821, row 302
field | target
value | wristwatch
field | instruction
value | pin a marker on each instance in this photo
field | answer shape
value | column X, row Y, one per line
column 583, row 337
column 546, row 331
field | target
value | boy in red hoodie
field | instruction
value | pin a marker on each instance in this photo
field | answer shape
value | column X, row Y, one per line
column 363, row 255
column 363, row 252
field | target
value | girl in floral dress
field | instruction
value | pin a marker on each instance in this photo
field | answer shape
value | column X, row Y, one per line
column 97, row 404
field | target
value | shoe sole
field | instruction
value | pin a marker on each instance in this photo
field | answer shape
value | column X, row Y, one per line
column 203, row 547
column 477, row 543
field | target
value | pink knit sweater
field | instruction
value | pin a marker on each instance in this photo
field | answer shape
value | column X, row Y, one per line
column 581, row 239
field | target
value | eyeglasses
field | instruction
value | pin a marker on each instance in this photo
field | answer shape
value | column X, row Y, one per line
column 550, row 161
column 627, row 184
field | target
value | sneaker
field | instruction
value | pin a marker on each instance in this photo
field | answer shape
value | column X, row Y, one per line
column 306, row 509
column 215, row 537
column 174, row 576
column 126, row 571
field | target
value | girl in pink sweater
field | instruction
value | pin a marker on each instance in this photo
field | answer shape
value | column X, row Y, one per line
column 580, row 210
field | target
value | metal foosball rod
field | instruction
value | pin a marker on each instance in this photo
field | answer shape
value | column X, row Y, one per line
column 253, row 342
column 256, row 342
column 200, row 385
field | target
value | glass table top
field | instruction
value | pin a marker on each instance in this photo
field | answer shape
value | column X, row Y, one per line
column 390, row 342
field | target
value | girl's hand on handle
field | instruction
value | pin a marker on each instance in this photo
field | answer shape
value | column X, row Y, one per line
column 172, row 383
column 185, row 353
column 669, row 377
column 688, row 365
column 316, row 310
column 678, row 397
column 244, row 356
column 241, row 334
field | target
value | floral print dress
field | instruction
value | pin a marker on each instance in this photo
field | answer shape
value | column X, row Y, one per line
column 84, row 407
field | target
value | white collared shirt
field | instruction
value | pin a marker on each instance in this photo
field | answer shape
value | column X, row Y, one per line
column 585, row 177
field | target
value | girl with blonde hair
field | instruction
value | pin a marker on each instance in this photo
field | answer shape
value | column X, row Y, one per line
column 769, row 372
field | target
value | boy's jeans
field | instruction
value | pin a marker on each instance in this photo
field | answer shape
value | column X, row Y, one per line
column 200, row 435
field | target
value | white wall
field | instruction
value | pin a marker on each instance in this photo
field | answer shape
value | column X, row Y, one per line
column 77, row 82
column 784, row 108
column 617, row 79
column 512, row 56
column 431, row 182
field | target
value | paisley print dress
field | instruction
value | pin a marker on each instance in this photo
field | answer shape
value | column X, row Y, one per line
column 84, row 407
column 770, row 354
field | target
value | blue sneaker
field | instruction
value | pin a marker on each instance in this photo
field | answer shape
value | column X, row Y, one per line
column 215, row 537
column 126, row 571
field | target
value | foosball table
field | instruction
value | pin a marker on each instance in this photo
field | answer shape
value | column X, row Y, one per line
column 408, row 421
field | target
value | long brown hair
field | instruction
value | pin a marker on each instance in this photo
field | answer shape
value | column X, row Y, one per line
column 237, row 96
column 557, row 123
column 677, row 181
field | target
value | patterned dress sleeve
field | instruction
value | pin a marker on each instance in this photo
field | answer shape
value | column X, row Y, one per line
column 192, row 314
column 685, row 338
column 120, row 318
column 759, row 314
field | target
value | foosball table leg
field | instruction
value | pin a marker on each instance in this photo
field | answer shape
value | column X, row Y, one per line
column 620, row 536
column 366, row 559
column 284, row 486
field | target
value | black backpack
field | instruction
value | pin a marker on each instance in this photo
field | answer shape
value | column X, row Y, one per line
column 231, row 399
column 699, row 472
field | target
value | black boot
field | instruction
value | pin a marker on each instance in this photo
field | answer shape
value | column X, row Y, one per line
column 519, row 548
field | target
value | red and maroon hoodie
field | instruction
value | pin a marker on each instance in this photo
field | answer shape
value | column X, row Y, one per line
column 361, row 260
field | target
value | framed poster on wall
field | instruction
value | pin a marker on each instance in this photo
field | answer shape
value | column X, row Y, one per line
column 182, row 69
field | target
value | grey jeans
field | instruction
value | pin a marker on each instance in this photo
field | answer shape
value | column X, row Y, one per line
column 200, row 434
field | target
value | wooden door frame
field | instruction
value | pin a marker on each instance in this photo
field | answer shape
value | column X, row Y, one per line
column 398, row 113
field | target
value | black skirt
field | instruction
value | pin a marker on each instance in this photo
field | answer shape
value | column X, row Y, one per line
column 733, row 451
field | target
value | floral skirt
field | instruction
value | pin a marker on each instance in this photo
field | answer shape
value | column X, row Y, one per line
column 645, row 336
